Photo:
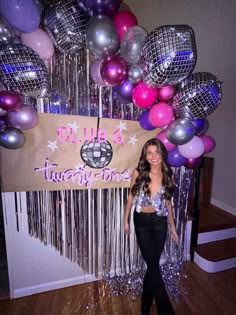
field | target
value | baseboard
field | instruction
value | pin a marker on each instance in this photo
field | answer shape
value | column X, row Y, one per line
column 214, row 266
column 51, row 286
column 223, row 206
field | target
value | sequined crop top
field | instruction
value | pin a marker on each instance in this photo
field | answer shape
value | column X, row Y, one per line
column 158, row 202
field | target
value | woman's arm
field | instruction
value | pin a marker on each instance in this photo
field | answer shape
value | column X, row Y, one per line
column 129, row 203
column 171, row 222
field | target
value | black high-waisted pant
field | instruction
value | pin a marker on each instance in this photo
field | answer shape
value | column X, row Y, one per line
column 151, row 231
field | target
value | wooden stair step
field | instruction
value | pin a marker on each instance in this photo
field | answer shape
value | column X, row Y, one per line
column 213, row 218
column 217, row 251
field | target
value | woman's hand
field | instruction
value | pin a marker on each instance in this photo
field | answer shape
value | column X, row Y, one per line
column 126, row 228
column 174, row 235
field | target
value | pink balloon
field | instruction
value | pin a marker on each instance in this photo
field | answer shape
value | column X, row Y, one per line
column 113, row 70
column 40, row 42
column 193, row 163
column 209, row 143
column 162, row 137
column 96, row 72
column 144, row 96
column 10, row 100
column 165, row 93
column 161, row 115
column 192, row 149
column 124, row 20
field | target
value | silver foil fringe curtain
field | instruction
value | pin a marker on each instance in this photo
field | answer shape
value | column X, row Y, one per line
column 87, row 225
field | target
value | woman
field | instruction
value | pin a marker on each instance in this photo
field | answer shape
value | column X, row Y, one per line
column 150, row 195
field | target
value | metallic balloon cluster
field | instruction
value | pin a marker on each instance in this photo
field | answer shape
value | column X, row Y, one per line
column 168, row 55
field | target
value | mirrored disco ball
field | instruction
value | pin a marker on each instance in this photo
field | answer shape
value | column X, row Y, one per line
column 65, row 23
column 22, row 70
column 95, row 154
column 199, row 95
column 168, row 55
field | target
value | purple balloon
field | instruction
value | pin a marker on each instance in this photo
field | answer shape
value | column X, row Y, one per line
column 10, row 100
column 144, row 121
column 23, row 118
column 3, row 124
column 96, row 72
column 23, row 15
column 125, row 90
column 175, row 158
column 100, row 7
column 193, row 163
column 198, row 124
column 204, row 128
column 12, row 138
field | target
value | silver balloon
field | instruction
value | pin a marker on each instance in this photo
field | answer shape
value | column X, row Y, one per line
column 168, row 55
column 131, row 44
column 135, row 74
column 12, row 138
column 180, row 131
column 23, row 118
column 7, row 34
column 101, row 36
column 2, row 112
column 65, row 23
column 23, row 70
column 199, row 95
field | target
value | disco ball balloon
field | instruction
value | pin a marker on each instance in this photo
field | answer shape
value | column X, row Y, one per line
column 65, row 23
column 23, row 70
column 168, row 55
column 199, row 95
column 96, row 154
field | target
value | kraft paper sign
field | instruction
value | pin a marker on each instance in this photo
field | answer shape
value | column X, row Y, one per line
column 74, row 152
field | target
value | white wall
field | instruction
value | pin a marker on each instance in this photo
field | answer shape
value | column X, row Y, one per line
column 214, row 24
column 33, row 267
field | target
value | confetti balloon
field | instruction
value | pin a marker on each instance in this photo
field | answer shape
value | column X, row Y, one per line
column 65, row 23
column 131, row 44
column 198, row 96
column 12, row 138
column 23, row 70
column 168, row 55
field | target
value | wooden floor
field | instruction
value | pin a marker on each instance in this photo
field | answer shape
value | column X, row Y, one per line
column 203, row 294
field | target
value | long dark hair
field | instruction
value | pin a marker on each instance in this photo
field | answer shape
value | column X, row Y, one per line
column 143, row 168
